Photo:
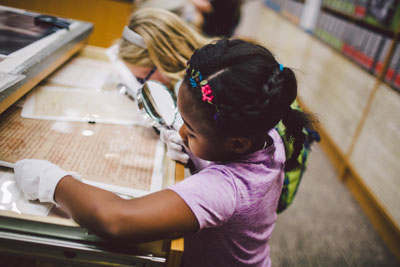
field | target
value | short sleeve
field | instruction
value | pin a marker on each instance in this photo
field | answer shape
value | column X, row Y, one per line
column 210, row 194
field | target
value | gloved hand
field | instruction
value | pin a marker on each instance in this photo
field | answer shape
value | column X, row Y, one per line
column 174, row 145
column 38, row 178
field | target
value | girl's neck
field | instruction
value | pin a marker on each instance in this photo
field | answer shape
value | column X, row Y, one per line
column 260, row 142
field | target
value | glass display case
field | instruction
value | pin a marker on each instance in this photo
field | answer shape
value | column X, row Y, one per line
column 103, row 139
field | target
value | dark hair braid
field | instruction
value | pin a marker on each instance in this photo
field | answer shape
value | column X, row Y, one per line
column 294, row 120
column 251, row 93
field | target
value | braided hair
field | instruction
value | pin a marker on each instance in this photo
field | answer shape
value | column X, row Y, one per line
column 252, row 91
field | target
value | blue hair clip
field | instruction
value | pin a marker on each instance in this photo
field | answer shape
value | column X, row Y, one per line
column 193, row 82
column 280, row 67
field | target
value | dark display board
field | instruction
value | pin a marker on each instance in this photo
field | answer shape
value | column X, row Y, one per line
column 18, row 30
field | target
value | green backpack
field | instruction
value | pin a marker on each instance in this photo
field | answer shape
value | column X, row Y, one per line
column 293, row 177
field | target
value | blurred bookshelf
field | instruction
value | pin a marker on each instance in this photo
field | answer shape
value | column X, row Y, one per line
column 348, row 52
column 364, row 31
column 290, row 9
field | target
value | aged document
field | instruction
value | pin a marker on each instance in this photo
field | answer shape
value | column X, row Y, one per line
column 85, row 89
column 81, row 72
column 119, row 155
column 74, row 104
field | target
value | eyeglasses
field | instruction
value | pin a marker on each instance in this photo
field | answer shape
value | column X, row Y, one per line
column 143, row 80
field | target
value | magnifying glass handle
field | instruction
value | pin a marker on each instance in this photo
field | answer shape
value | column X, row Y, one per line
column 6, row 164
column 190, row 164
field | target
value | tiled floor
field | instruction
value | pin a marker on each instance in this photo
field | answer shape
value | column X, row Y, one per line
column 325, row 225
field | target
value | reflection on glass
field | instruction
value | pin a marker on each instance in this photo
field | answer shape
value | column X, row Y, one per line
column 9, row 192
column 6, row 195
column 87, row 133
column 158, row 103
column 12, row 199
column 14, row 208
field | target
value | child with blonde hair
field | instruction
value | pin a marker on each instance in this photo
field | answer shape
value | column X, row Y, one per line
column 159, row 41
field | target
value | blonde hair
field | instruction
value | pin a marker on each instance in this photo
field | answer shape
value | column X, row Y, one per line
column 169, row 40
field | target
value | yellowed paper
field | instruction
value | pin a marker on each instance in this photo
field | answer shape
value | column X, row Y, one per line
column 83, row 72
column 115, row 154
column 61, row 103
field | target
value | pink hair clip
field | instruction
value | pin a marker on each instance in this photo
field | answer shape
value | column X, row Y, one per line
column 207, row 93
column 196, row 79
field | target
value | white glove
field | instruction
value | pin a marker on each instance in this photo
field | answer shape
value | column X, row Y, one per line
column 38, row 178
column 174, row 145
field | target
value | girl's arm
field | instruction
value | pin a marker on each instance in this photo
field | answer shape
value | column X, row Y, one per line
column 156, row 216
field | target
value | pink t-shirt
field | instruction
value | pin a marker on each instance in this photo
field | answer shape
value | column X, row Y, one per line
column 235, row 205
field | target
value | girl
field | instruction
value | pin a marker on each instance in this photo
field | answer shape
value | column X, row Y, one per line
column 232, row 96
column 157, row 44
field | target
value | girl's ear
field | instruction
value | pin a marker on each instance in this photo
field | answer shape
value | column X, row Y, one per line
column 238, row 145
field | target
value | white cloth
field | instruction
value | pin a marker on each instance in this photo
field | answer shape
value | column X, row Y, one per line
column 38, row 178
column 175, row 146
column 176, row 150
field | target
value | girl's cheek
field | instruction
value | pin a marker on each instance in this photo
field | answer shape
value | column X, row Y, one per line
column 182, row 132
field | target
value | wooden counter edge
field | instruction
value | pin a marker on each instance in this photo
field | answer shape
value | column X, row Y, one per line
column 11, row 99
column 176, row 249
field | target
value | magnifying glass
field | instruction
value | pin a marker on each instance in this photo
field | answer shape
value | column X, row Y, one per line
column 158, row 104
